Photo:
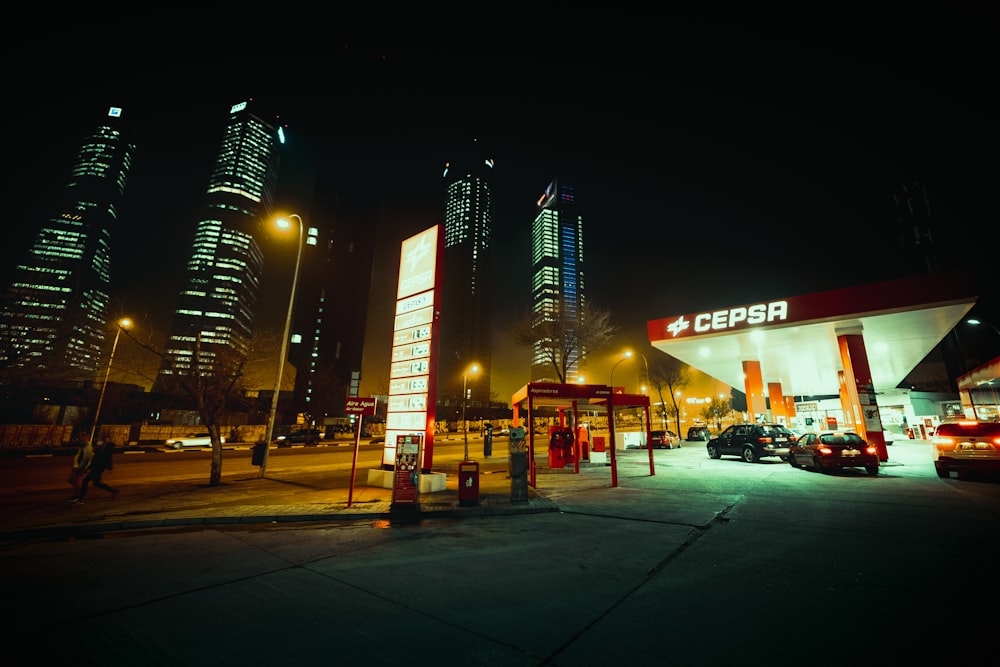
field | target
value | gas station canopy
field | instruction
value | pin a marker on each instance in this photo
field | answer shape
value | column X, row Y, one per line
column 795, row 339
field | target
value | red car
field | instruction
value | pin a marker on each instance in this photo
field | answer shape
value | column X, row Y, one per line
column 664, row 440
column 835, row 449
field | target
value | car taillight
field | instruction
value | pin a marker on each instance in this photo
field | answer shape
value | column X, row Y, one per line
column 764, row 440
column 825, row 451
column 870, row 449
column 943, row 442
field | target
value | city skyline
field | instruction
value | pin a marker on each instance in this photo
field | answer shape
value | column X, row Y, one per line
column 731, row 159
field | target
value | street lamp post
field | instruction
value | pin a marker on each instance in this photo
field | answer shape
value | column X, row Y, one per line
column 611, row 421
column 643, row 389
column 465, row 399
column 975, row 322
column 123, row 323
column 282, row 223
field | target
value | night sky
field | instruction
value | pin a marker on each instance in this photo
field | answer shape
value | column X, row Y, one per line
column 718, row 163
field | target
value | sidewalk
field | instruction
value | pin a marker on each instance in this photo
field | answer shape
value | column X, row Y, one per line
column 291, row 494
column 283, row 495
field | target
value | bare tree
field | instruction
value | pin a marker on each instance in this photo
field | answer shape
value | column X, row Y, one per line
column 716, row 409
column 666, row 372
column 565, row 343
column 214, row 391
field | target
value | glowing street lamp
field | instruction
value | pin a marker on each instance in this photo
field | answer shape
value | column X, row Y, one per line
column 123, row 323
column 283, row 223
column 974, row 322
column 465, row 399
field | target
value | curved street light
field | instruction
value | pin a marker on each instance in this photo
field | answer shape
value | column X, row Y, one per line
column 282, row 223
column 123, row 323
column 976, row 322
column 465, row 399
column 611, row 420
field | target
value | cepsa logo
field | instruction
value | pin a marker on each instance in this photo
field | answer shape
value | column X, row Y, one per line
column 720, row 320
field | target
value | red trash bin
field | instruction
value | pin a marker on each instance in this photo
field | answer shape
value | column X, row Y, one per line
column 468, row 483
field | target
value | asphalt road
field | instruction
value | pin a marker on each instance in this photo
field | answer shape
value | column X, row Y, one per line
column 704, row 563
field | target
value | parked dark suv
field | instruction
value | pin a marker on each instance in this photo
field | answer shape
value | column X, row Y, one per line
column 752, row 442
column 699, row 433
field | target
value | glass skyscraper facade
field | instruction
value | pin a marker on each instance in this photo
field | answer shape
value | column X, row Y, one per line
column 331, row 308
column 55, row 313
column 557, row 269
column 215, row 307
column 467, row 294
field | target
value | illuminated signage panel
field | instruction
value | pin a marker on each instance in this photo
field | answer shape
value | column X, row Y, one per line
column 412, row 370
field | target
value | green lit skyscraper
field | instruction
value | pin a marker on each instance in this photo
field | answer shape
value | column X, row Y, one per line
column 215, row 308
column 55, row 312
column 557, row 285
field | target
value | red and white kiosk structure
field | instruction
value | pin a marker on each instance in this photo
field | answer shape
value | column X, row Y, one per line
column 575, row 398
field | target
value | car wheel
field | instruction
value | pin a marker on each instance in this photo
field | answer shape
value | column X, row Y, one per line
column 942, row 472
column 176, row 445
column 871, row 470
column 750, row 454
column 792, row 462
column 817, row 466
column 713, row 453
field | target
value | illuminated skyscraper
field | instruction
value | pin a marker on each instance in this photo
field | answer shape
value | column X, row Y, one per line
column 215, row 308
column 54, row 317
column 467, row 295
column 557, row 286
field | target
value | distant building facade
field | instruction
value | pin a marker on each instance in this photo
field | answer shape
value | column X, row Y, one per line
column 557, row 287
column 468, row 290
column 55, row 313
column 216, row 304
column 331, row 311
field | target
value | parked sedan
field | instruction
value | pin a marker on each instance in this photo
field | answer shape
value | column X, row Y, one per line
column 663, row 439
column 305, row 436
column 699, row 433
column 834, row 449
column 192, row 440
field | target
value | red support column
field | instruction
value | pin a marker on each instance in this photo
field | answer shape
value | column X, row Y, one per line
column 777, row 403
column 859, row 388
column 753, row 385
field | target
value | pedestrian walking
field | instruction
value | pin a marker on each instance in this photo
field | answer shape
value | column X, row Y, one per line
column 101, row 462
column 81, row 464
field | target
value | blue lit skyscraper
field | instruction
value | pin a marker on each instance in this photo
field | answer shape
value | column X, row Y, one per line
column 557, row 285
column 55, row 312
column 467, row 295
column 215, row 308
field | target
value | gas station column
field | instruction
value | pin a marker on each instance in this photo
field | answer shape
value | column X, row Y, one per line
column 778, row 413
column 857, row 385
column 790, row 410
column 753, row 385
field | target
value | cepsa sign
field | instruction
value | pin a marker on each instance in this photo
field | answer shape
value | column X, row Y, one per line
column 731, row 318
